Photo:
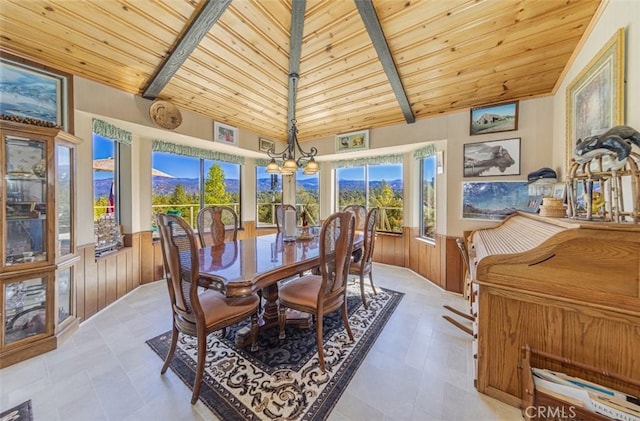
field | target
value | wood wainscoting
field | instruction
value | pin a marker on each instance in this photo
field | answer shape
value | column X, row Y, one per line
column 439, row 262
column 99, row 282
column 102, row 281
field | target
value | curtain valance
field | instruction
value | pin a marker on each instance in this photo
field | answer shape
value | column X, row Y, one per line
column 163, row 146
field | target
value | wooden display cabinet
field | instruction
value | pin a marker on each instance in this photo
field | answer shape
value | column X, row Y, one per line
column 37, row 245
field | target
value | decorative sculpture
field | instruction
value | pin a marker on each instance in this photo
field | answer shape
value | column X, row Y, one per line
column 605, row 168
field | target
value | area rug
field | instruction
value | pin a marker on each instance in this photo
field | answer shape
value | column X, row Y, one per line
column 283, row 380
column 20, row 412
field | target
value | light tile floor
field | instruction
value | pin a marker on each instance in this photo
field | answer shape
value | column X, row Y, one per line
column 420, row 368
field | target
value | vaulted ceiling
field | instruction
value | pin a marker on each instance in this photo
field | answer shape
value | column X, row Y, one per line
column 447, row 55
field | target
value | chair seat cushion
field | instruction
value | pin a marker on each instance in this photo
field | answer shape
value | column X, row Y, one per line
column 219, row 309
column 302, row 291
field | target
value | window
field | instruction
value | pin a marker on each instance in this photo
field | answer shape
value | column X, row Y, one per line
column 374, row 185
column 428, row 197
column 105, row 177
column 308, row 196
column 182, row 185
column 268, row 195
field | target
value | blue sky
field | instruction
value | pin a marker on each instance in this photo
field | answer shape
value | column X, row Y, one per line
column 376, row 172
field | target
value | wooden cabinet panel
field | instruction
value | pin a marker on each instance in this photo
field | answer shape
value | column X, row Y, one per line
column 91, row 283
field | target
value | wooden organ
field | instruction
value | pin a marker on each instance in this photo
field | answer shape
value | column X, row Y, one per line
column 569, row 288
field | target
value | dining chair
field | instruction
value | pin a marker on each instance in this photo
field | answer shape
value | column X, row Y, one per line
column 363, row 267
column 197, row 313
column 361, row 214
column 280, row 211
column 216, row 225
column 324, row 293
column 467, row 293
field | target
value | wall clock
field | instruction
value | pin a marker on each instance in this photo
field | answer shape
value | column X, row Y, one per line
column 165, row 114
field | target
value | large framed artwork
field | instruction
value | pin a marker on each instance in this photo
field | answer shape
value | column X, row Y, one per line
column 34, row 93
column 494, row 118
column 493, row 200
column 225, row 134
column 487, row 159
column 595, row 98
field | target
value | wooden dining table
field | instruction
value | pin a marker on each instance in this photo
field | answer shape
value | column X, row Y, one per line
column 243, row 267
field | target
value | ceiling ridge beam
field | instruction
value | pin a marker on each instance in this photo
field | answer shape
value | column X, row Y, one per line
column 188, row 41
column 371, row 22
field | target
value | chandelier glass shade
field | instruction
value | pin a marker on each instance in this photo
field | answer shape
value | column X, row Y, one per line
column 293, row 156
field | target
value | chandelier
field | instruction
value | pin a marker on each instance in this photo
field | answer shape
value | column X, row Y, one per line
column 293, row 156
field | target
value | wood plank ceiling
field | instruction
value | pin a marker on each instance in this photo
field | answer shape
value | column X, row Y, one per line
column 449, row 55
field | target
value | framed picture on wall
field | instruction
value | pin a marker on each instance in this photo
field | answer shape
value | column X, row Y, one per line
column 489, row 159
column 265, row 144
column 354, row 141
column 494, row 118
column 493, row 200
column 34, row 92
column 225, row 134
column 595, row 98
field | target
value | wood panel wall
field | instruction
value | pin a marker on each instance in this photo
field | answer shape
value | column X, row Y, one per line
column 102, row 281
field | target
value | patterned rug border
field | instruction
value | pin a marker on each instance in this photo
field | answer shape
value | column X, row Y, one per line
column 226, row 407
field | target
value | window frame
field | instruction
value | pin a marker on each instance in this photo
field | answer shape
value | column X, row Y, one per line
column 423, row 208
column 116, row 175
column 201, row 175
column 367, row 179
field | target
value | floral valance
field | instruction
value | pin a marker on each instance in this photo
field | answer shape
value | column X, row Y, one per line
column 163, row 146
column 108, row 130
column 425, row 152
column 369, row 160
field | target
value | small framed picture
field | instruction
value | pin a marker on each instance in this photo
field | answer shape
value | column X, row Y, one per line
column 354, row 141
column 559, row 190
column 265, row 144
column 533, row 204
column 494, row 118
column 225, row 134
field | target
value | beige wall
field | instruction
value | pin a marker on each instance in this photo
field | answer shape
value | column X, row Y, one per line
column 617, row 14
column 541, row 129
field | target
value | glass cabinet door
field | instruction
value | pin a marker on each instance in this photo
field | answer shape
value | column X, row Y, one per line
column 64, row 199
column 24, row 309
column 64, row 279
column 25, row 238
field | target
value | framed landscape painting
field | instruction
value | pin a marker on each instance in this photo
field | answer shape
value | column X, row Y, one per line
column 494, row 118
column 225, row 134
column 493, row 200
column 265, row 144
column 595, row 98
column 33, row 92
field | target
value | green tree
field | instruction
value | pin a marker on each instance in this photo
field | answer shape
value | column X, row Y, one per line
column 100, row 207
column 390, row 207
column 179, row 196
column 215, row 188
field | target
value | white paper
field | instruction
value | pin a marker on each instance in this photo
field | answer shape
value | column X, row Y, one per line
column 290, row 223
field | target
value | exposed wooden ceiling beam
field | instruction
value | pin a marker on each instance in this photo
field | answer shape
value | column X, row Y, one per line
column 295, row 48
column 371, row 22
column 206, row 18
